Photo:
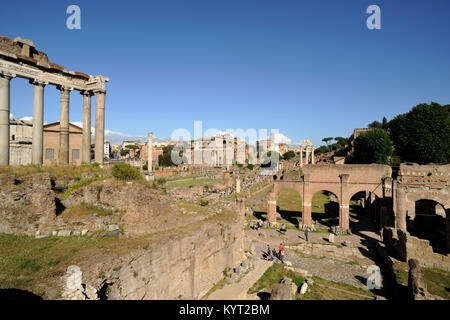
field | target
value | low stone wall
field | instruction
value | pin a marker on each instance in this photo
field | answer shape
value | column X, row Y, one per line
column 347, row 254
column 409, row 247
column 164, row 173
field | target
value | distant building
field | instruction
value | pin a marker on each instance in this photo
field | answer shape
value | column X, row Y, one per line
column 107, row 149
column 20, row 142
column 51, row 144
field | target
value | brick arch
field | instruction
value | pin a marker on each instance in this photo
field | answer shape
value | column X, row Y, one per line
column 440, row 198
column 317, row 187
column 368, row 188
column 280, row 185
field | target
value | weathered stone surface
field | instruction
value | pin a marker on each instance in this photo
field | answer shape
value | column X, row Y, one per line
column 74, row 289
column 303, row 288
column 417, row 287
column 64, row 233
column 331, row 238
column 186, row 263
column 282, row 291
column 26, row 204
column 113, row 227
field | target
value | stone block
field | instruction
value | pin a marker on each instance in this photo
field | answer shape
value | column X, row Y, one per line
column 113, row 227
column 64, row 233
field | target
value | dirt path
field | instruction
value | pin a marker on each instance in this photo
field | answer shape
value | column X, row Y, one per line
column 238, row 291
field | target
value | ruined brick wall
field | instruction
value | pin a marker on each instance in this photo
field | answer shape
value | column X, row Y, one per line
column 421, row 250
column 188, row 193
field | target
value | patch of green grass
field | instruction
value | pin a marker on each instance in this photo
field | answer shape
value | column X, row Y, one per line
column 273, row 275
column 76, row 186
column 192, row 182
column 401, row 272
column 438, row 282
column 85, row 209
column 219, row 285
column 328, row 290
column 289, row 200
column 56, row 172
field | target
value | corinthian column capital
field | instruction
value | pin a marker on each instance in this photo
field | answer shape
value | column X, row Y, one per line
column 101, row 91
column 64, row 89
column 87, row 93
column 38, row 82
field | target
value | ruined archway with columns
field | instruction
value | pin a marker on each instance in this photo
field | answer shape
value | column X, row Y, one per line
column 342, row 180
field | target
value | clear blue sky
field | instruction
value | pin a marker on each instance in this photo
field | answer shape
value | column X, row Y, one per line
column 311, row 68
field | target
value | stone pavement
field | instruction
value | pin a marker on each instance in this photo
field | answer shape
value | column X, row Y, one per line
column 238, row 291
column 333, row 262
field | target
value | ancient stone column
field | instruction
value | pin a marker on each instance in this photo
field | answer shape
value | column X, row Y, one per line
column 38, row 122
column 301, row 157
column 4, row 117
column 344, row 206
column 99, row 125
column 401, row 208
column 312, row 156
column 64, row 126
column 238, row 185
column 307, row 155
column 272, row 208
column 306, row 201
column 150, row 152
column 86, row 141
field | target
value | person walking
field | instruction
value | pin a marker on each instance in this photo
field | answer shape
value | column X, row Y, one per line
column 283, row 229
column 306, row 234
column 269, row 253
column 281, row 253
column 274, row 254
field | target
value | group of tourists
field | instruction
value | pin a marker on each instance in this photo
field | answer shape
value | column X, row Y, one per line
column 272, row 254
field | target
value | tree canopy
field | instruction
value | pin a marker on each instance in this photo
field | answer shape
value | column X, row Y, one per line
column 375, row 125
column 165, row 159
column 289, row 155
column 423, row 134
column 374, row 146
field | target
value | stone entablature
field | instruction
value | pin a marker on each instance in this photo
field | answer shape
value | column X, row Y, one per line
column 35, row 65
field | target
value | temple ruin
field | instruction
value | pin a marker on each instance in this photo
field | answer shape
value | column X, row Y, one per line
column 19, row 58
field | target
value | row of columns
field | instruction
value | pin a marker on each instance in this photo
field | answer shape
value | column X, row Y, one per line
column 38, row 123
column 309, row 158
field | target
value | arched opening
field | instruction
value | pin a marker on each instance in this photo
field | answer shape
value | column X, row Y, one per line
column 325, row 208
column 428, row 221
column 358, row 207
column 289, row 206
column 364, row 211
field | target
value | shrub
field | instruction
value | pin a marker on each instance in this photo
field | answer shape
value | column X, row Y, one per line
column 77, row 185
column 204, row 203
column 161, row 181
column 123, row 171
column 250, row 166
column 95, row 165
